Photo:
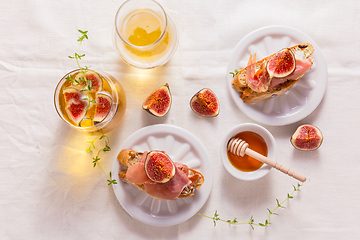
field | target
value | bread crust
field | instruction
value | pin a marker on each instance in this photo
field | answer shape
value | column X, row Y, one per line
column 301, row 51
column 128, row 158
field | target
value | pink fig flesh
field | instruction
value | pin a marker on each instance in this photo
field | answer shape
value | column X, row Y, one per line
column 75, row 107
column 71, row 93
column 205, row 103
column 159, row 167
column 281, row 64
column 103, row 106
column 93, row 78
column 158, row 103
column 76, row 110
column 307, row 137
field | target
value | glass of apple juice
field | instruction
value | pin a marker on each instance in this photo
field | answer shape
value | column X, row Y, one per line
column 145, row 34
column 88, row 100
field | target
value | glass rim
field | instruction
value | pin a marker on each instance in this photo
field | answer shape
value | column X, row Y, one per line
column 96, row 127
column 147, row 46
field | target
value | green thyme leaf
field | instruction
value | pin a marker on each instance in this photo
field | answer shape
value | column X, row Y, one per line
column 96, row 159
column 110, row 180
column 84, row 35
column 236, row 72
column 106, row 148
column 85, row 82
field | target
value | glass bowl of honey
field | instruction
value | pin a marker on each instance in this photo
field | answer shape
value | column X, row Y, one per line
column 246, row 167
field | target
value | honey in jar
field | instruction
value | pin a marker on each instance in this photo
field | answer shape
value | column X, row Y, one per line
column 247, row 163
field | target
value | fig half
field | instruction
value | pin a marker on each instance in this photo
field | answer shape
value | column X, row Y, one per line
column 103, row 106
column 93, row 78
column 75, row 107
column 71, row 93
column 307, row 137
column 205, row 103
column 281, row 64
column 159, row 102
column 159, row 167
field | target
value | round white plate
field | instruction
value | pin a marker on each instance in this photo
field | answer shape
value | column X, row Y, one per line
column 302, row 98
column 182, row 146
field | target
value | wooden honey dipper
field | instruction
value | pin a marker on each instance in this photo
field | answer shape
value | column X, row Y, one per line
column 239, row 147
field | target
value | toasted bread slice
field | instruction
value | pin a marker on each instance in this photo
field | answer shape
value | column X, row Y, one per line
column 301, row 51
column 128, row 158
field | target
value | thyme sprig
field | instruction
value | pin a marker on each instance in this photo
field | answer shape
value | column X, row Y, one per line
column 77, row 56
column 251, row 222
column 96, row 159
column 235, row 72
column 83, row 82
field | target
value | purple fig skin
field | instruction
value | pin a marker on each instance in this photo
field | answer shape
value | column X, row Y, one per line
column 307, row 138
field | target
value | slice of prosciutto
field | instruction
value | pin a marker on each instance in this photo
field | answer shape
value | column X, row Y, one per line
column 164, row 191
column 136, row 174
column 258, row 80
column 300, row 69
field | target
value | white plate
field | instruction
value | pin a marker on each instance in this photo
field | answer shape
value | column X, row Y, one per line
column 182, row 146
column 302, row 98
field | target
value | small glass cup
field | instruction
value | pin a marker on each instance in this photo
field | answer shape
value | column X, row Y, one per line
column 145, row 34
column 84, row 100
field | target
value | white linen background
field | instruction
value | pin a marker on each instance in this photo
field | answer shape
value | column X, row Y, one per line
column 48, row 187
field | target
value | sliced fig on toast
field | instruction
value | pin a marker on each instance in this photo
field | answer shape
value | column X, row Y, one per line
column 159, row 102
column 159, row 167
column 307, row 137
column 281, row 64
column 205, row 103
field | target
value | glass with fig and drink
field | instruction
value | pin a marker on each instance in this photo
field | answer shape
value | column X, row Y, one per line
column 89, row 101
column 145, row 34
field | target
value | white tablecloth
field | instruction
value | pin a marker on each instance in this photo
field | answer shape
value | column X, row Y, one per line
column 49, row 188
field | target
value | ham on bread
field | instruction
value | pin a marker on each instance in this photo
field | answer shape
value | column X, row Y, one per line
column 182, row 184
column 254, row 83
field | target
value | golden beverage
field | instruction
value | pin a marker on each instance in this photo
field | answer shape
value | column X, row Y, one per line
column 145, row 37
column 88, row 100
column 143, row 28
